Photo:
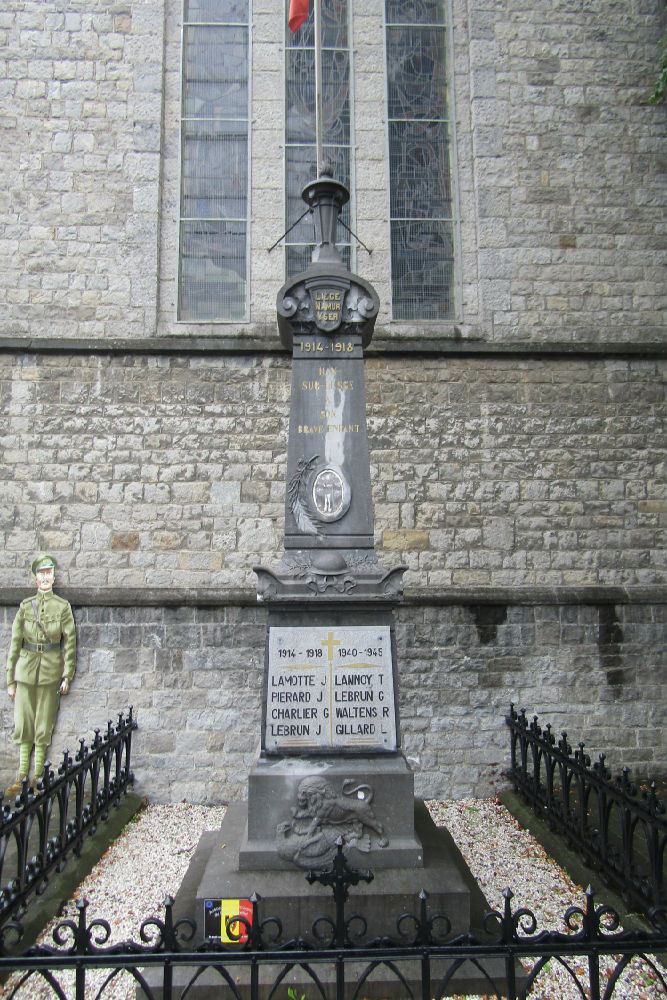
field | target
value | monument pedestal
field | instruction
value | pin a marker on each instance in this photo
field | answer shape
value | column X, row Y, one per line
column 215, row 874
column 336, row 796
column 288, row 895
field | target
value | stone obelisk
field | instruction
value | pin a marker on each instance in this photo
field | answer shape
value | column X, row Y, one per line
column 330, row 768
column 331, row 774
column 330, row 728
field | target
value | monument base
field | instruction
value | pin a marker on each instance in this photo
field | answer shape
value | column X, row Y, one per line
column 335, row 794
column 287, row 894
column 214, row 874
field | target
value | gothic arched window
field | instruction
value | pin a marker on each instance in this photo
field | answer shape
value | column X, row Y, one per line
column 300, row 150
column 214, row 200
column 422, row 234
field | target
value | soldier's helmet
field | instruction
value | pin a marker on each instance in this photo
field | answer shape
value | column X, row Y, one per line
column 42, row 561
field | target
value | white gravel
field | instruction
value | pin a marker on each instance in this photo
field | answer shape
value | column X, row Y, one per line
column 149, row 860
column 501, row 854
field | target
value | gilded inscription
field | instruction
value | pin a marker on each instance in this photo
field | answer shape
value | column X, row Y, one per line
column 329, row 686
column 327, row 307
column 327, row 428
column 330, row 385
column 326, row 346
column 328, row 304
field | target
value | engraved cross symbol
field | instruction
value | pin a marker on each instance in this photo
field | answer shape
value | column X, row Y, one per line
column 330, row 642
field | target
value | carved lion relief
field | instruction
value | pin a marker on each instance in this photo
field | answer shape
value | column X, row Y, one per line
column 322, row 815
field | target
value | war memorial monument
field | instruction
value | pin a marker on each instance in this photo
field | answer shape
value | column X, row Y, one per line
column 331, row 774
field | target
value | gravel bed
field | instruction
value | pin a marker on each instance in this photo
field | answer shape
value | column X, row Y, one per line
column 501, row 854
column 150, row 858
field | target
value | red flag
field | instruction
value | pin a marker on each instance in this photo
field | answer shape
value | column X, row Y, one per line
column 298, row 12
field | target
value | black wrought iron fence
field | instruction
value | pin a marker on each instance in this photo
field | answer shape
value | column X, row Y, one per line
column 42, row 826
column 510, row 957
column 616, row 826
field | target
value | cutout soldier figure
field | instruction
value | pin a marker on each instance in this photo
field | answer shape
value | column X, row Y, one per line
column 40, row 666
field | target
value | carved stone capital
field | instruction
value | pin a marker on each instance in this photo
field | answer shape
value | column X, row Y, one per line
column 328, row 299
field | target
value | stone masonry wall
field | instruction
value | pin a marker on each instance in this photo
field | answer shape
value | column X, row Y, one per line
column 596, row 671
column 526, row 491
column 558, row 164
column 80, row 127
column 193, row 676
column 168, row 472
column 561, row 132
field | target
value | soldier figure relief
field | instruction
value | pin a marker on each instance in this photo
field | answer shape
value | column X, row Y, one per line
column 40, row 666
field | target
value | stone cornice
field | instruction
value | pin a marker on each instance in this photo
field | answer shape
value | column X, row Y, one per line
column 402, row 346
column 414, row 597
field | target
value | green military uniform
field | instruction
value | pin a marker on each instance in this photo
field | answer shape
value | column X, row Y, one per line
column 42, row 654
column 38, row 662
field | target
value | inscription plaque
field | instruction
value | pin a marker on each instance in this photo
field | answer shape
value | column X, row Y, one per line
column 329, row 688
column 328, row 499
column 328, row 305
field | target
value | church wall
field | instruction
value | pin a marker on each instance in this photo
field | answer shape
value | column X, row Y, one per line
column 527, row 499
column 558, row 168
column 518, row 452
column 80, row 112
column 193, row 675
column 168, row 472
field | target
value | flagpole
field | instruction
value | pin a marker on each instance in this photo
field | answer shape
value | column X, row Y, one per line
column 317, row 27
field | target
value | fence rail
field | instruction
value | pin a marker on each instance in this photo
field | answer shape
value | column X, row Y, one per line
column 616, row 827
column 41, row 827
column 421, row 961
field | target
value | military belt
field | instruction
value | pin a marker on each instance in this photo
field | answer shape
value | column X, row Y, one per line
column 40, row 647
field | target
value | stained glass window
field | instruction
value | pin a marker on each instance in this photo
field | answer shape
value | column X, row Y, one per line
column 212, row 281
column 422, row 240
column 300, row 149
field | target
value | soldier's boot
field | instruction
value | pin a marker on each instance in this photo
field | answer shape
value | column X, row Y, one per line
column 25, row 749
column 17, row 786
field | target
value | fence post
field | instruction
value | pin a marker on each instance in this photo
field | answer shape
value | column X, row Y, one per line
column 81, row 946
column 654, row 807
column 549, row 767
column 423, row 937
column 591, row 929
column 508, row 937
column 170, row 943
